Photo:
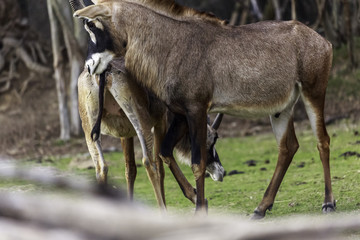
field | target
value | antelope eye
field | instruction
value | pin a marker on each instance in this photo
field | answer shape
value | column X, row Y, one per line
column 91, row 24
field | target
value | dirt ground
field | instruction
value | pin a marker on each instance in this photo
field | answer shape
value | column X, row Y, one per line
column 30, row 126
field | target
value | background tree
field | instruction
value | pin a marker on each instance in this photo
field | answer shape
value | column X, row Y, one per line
column 65, row 30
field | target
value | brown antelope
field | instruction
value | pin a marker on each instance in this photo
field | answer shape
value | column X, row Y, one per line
column 197, row 66
column 128, row 106
column 129, row 110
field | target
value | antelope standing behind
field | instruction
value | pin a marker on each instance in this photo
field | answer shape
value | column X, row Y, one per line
column 126, row 105
column 197, row 66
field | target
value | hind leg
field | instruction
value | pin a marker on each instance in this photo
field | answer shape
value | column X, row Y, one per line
column 96, row 153
column 127, row 145
column 139, row 118
column 159, row 134
column 316, row 115
column 283, row 128
column 94, row 147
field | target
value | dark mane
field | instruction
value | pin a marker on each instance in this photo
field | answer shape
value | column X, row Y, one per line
column 179, row 10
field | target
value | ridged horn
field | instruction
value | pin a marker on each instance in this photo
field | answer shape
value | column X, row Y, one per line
column 76, row 4
column 217, row 121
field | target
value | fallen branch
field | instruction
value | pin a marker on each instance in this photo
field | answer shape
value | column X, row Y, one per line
column 2, row 62
column 30, row 64
column 50, row 177
column 40, row 53
column 26, row 83
column 24, row 56
column 5, row 81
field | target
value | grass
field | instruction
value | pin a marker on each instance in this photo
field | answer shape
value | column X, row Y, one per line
column 301, row 192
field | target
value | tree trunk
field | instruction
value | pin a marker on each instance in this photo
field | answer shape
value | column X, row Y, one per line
column 77, row 65
column 58, row 63
column 235, row 14
column 349, row 34
column 293, row 9
column 76, row 68
column 330, row 27
column 321, row 7
column 245, row 12
column 76, row 60
column 256, row 9
column 277, row 9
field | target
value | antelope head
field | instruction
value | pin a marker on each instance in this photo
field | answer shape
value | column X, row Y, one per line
column 213, row 165
column 100, row 45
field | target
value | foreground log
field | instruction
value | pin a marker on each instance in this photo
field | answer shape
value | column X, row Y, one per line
column 80, row 214
column 99, row 218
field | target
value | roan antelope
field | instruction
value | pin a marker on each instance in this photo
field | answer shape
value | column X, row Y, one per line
column 197, row 66
column 127, row 106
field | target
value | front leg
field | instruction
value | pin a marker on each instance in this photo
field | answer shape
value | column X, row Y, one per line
column 174, row 134
column 159, row 134
column 198, row 130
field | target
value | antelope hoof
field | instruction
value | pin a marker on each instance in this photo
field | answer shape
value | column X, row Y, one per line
column 206, row 206
column 101, row 179
column 258, row 214
column 202, row 210
column 329, row 207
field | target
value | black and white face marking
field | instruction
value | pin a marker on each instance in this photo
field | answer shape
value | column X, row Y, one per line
column 213, row 164
column 100, row 47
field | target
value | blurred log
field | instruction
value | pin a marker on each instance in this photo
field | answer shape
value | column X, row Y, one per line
column 12, row 229
column 46, row 176
column 100, row 218
column 84, row 215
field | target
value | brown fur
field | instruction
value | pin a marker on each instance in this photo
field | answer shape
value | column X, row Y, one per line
column 195, row 66
column 148, row 111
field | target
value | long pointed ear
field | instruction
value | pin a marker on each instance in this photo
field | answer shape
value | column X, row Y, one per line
column 94, row 11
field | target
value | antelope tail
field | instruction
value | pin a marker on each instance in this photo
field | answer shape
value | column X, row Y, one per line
column 95, row 133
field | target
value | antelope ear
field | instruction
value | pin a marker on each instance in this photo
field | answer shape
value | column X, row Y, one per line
column 93, row 11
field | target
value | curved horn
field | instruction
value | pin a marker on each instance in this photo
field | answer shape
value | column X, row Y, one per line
column 76, row 4
column 217, row 121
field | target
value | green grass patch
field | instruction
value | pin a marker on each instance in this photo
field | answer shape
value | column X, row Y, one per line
column 301, row 192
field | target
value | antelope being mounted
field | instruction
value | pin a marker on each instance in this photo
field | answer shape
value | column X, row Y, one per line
column 197, row 66
column 130, row 108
